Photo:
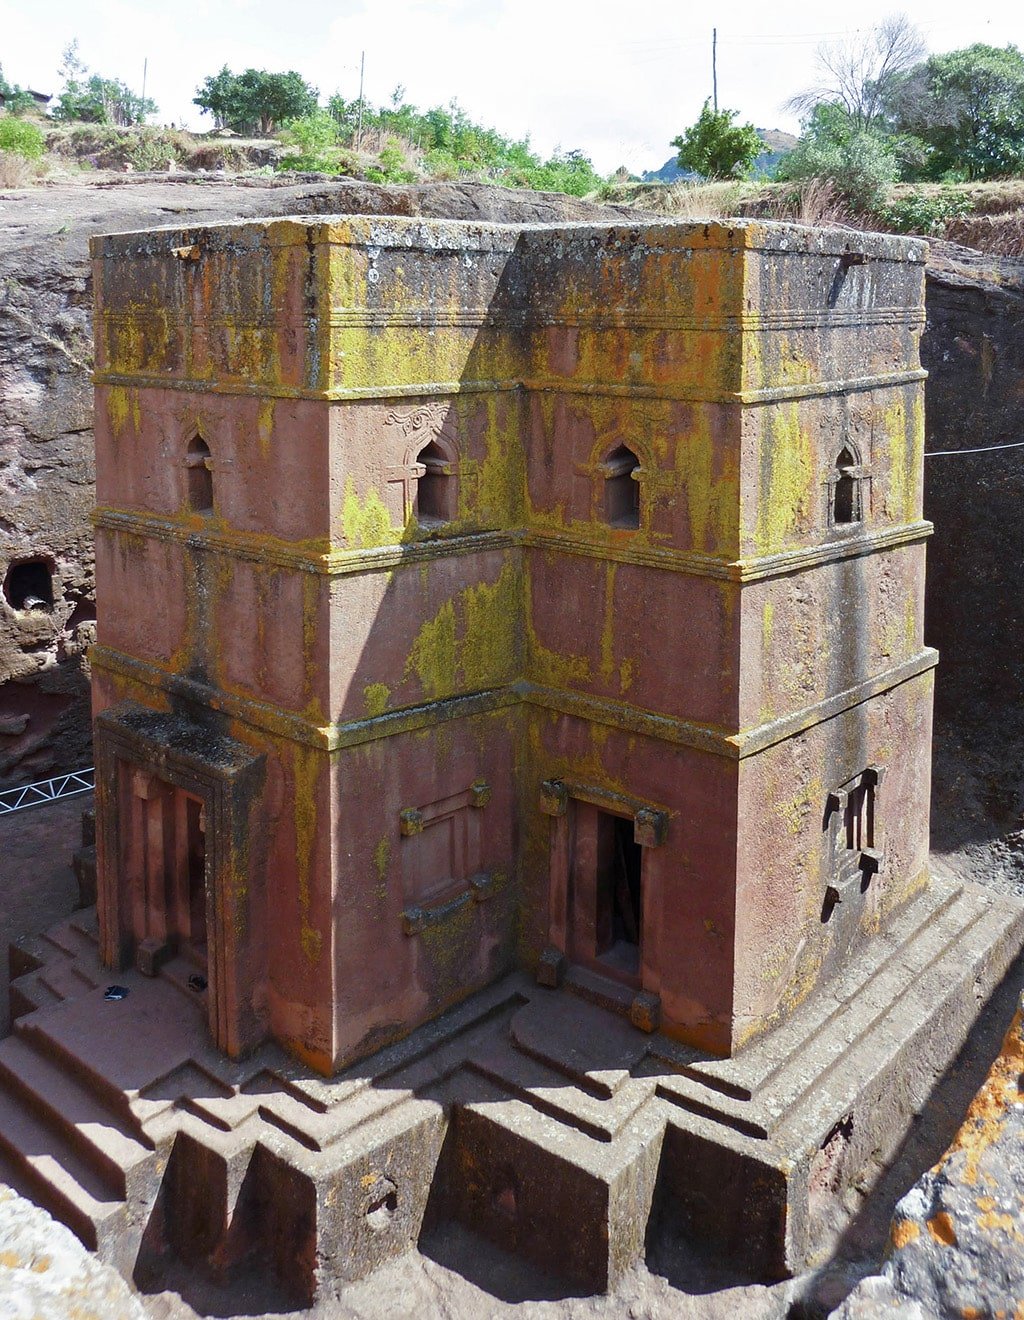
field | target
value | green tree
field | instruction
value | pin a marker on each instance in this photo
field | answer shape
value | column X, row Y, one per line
column 716, row 147
column 16, row 100
column 93, row 99
column 256, row 100
column 860, row 163
column 968, row 108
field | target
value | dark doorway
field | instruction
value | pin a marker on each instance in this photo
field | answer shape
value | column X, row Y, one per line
column 435, row 490
column 619, row 894
column 198, row 463
column 621, row 490
column 195, row 945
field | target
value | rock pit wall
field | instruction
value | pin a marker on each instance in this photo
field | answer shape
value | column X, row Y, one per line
column 973, row 348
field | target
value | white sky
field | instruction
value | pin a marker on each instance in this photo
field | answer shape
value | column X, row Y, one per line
column 617, row 80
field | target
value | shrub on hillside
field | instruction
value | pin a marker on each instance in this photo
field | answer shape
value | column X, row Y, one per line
column 20, row 137
column 921, row 213
column 15, row 171
column 860, row 164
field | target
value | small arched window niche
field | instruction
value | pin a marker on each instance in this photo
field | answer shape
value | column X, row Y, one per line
column 199, row 470
column 621, row 472
column 437, row 496
column 847, row 487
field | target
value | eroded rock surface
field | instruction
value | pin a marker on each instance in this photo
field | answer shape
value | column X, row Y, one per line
column 957, row 1237
column 46, row 1273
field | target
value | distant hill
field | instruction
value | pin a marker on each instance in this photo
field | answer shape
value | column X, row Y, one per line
column 776, row 142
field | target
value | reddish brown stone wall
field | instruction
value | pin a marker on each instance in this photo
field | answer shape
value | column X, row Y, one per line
column 443, row 698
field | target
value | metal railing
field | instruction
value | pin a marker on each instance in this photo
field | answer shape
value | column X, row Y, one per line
column 46, row 790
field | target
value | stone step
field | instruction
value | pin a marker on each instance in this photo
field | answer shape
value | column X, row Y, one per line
column 70, row 938
column 755, row 1067
column 696, row 1098
column 968, row 971
column 117, row 1156
column 57, row 1178
column 35, row 1032
column 66, row 979
column 29, row 993
column 27, row 954
column 853, row 1021
column 544, row 1088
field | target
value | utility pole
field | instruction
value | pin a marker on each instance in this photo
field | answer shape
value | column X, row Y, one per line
column 145, row 67
column 359, row 129
column 714, row 65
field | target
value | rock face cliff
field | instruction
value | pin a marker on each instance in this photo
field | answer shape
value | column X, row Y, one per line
column 46, row 453
column 973, row 348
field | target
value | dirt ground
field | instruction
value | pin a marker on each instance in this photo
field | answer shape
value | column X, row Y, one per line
column 37, row 884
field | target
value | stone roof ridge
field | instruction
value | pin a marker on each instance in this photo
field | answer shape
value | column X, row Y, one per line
column 749, row 232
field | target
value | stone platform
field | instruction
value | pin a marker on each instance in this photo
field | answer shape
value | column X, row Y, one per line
column 539, row 1118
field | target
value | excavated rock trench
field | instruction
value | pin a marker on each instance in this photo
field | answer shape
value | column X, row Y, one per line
column 974, row 352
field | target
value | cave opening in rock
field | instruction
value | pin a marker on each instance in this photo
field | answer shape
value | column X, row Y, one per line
column 28, row 585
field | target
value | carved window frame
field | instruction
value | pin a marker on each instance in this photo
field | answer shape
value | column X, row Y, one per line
column 857, row 472
column 855, row 839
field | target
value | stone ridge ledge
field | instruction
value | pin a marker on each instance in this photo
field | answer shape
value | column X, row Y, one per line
column 265, row 390
column 537, row 385
column 527, row 316
column 619, row 715
column 431, row 235
column 753, row 568
column 322, row 557
column 319, row 556
column 760, row 737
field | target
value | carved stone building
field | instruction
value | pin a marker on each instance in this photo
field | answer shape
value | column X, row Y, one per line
column 473, row 597
column 512, row 734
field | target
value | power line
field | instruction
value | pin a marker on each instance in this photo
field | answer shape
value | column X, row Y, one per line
column 984, row 449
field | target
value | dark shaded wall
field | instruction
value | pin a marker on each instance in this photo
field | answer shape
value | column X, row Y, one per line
column 973, row 348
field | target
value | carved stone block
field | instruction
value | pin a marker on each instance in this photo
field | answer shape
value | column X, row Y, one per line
column 551, row 967
column 554, row 797
column 650, row 827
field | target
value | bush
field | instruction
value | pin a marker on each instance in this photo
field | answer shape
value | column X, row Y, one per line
column 921, row 213
column 20, row 137
column 859, row 164
column 716, row 148
column 393, row 166
column 316, row 137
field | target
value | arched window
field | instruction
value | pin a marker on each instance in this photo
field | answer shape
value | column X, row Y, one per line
column 199, row 467
column 436, row 495
column 621, row 488
column 847, row 496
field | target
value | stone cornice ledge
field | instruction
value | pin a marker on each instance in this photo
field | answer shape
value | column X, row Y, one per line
column 321, row 557
column 602, row 710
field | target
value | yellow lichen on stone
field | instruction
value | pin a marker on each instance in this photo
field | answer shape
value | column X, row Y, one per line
column 381, row 860
column 903, row 1232
column 307, row 764
column 941, row 1227
column 783, row 499
column 365, row 522
column 988, row 1111
column 375, row 698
